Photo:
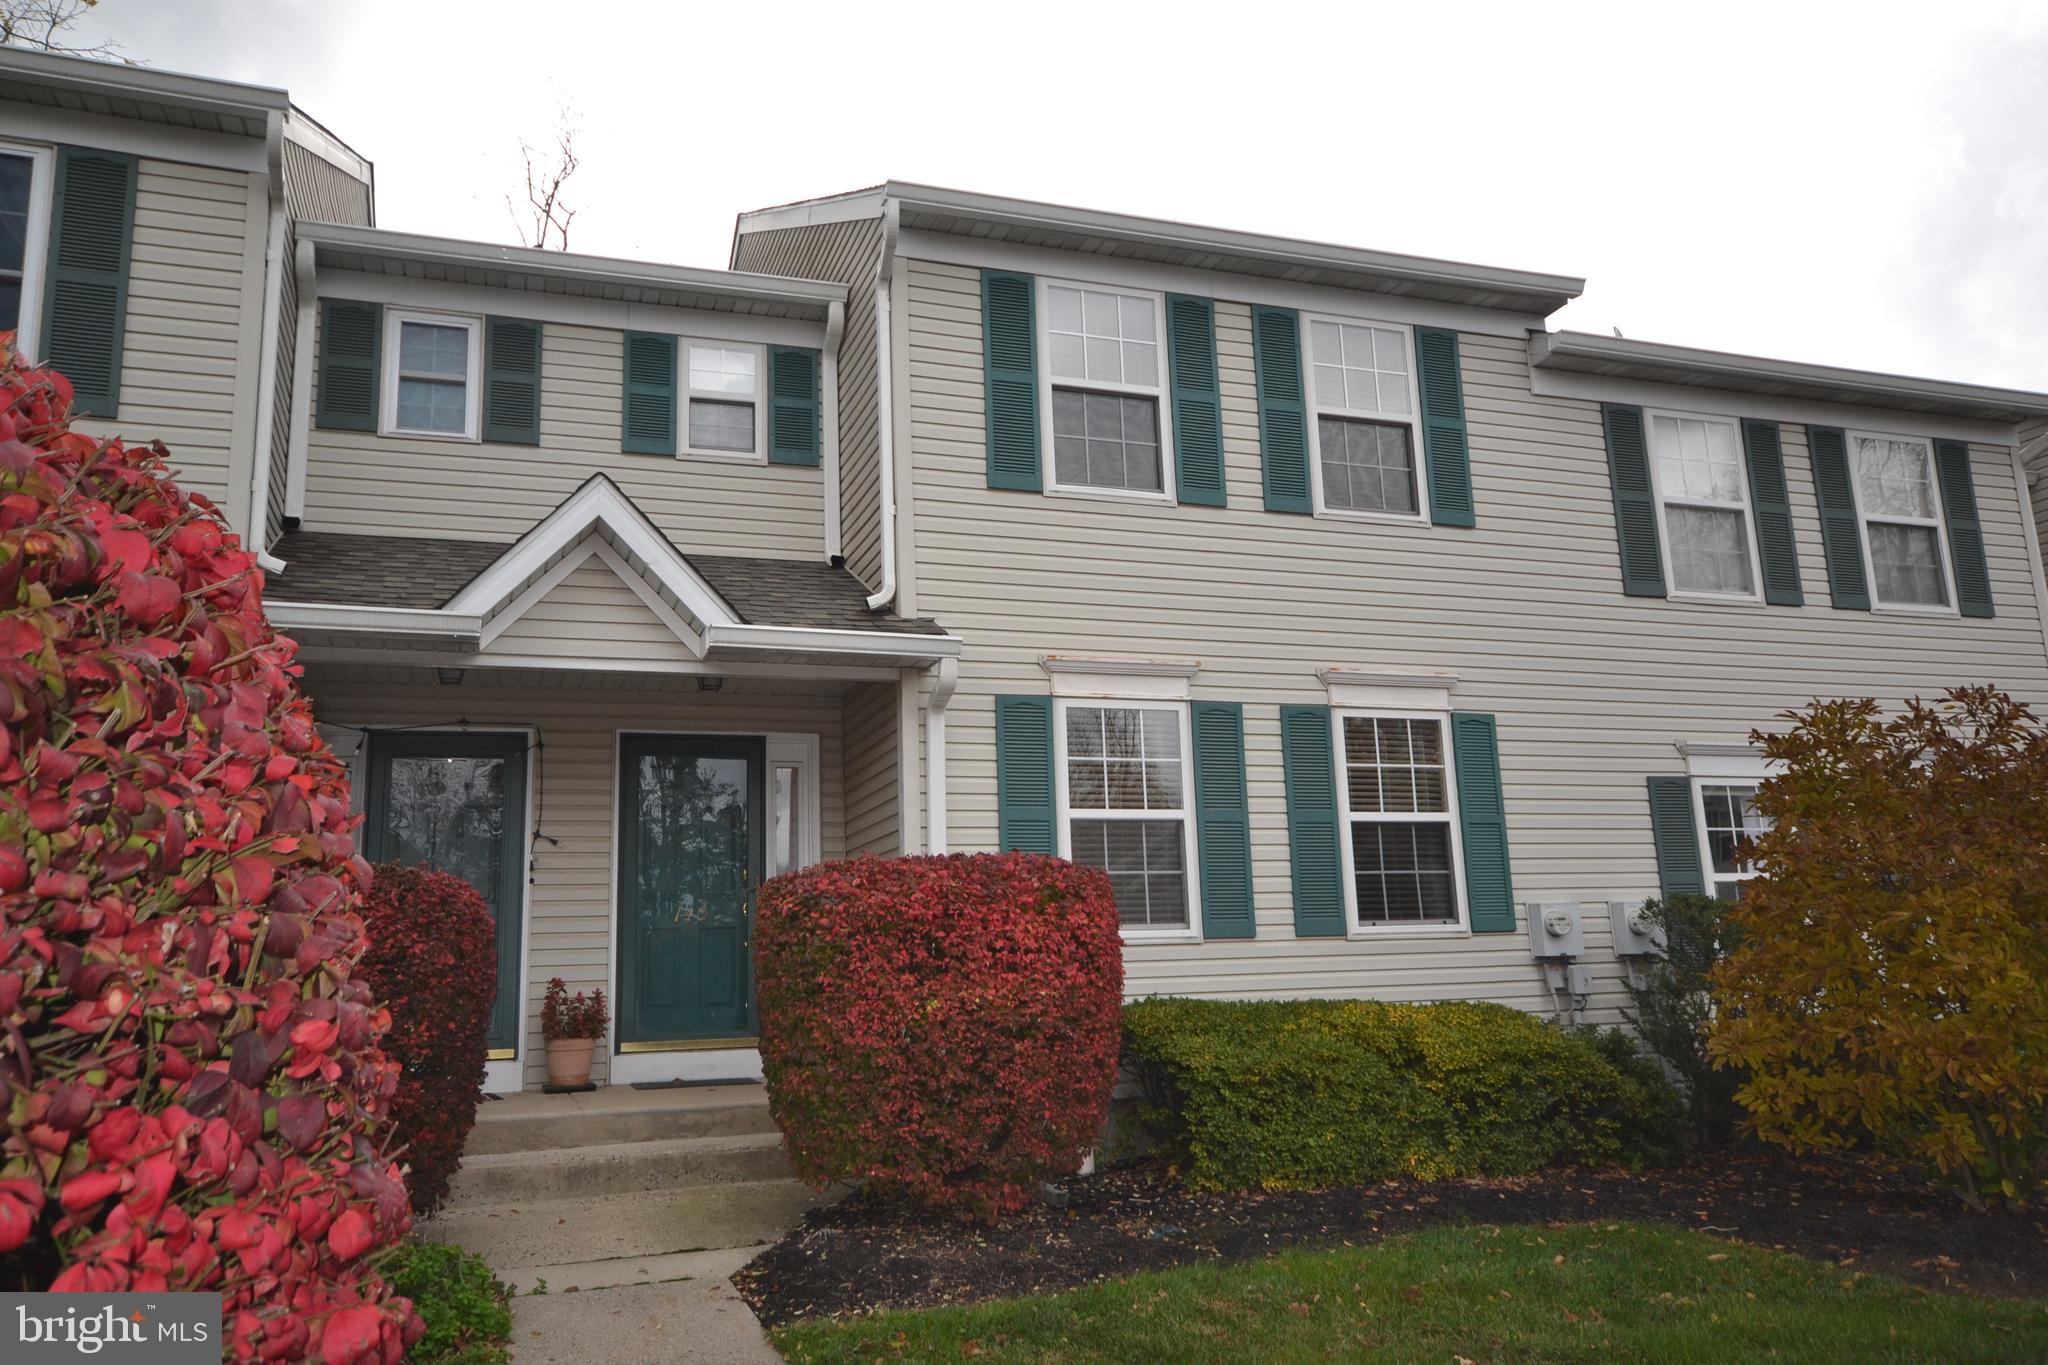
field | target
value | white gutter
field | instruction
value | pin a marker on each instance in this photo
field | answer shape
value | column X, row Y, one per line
column 379, row 620
column 273, row 307
column 302, row 383
column 809, row 640
column 885, row 417
column 828, row 384
column 944, row 680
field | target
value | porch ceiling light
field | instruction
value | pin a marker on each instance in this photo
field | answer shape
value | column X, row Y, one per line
column 450, row 677
column 707, row 683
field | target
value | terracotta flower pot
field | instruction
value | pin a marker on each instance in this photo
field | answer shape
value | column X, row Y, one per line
column 569, row 1060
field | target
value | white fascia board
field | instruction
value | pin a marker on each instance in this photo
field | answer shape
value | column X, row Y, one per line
column 1541, row 291
column 308, row 132
column 811, row 640
column 374, row 620
column 407, row 247
column 850, row 207
column 1651, row 360
column 118, row 80
column 597, row 503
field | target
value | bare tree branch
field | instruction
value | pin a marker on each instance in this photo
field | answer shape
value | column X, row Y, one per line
column 44, row 26
column 546, row 205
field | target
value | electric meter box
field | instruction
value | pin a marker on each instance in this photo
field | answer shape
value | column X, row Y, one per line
column 1556, row 929
column 1634, row 935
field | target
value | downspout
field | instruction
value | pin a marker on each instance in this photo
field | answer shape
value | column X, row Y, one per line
column 261, row 447
column 302, row 385
column 944, row 679
column 828, row 383
column 885, row 417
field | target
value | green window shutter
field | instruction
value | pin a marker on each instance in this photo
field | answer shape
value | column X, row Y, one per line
column 351, row 347
column 1283, row 416
column 512, row 381
column 1483, row 824
column 1676, row 839
column 650, row 394
column 1223, row 832
column 1841, row 538
column 1311, row 772
column 1197, row 402
column 85, row 313
column 793, row 379
column 1009, row 343
column 1444, row 443
column 1635, row 501
column 1772, row 507
column 1026, row 813
column 1965, row 532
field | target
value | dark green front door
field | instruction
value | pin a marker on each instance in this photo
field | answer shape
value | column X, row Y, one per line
column 690, row 855
column 457, row 803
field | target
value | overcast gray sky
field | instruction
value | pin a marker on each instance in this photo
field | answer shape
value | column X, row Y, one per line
column 1858, row 184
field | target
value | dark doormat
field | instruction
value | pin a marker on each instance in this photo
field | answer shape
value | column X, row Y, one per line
column 692, row 1085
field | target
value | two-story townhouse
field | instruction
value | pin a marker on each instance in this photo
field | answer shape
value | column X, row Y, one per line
column 1343, row 612
column 145, row 247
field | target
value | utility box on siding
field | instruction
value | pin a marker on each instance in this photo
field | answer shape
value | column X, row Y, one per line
column 1556, row 929
column 1634, row 934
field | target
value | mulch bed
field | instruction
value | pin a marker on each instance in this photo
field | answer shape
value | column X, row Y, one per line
column 861, row 1254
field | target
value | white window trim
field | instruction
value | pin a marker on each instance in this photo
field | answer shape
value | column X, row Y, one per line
column 1461, row 926
column 1720, row 763
column 1755, row 596
column 35, row 251
column 1939, row 522
column 1316, row 410
column 759, row 454
column 1158, row 393
column 1699, row 824
column 1192, row 931
column 472, row 407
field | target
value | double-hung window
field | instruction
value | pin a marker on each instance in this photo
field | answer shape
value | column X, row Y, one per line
column 1395, row 802
column 1125, row 805
column 1363, row 390
column 433, row 364
column 1900, row 512
column 1728, row 823
column 24, row 227
column 1106, row 377
column 724, row 382
column 1703, row 506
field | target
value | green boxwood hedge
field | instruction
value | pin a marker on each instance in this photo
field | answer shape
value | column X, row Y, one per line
column 1311, row 1093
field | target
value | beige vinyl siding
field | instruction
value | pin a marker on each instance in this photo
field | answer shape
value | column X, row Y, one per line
column 872, row 821
column 589, row 613
column 317, row 189
column 849, row 253
column 397, row 485
column 575, row 778
column 1591, row 688
column 189, row 349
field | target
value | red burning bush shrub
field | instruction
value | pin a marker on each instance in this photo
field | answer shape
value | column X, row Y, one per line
column 433, row 962
column 189, row 1071
column 946, row 1028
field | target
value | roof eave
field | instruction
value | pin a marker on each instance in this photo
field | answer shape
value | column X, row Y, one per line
column 1658, row 362
column 88, row 76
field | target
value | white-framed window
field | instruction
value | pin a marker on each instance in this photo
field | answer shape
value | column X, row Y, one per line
column 1725, row 809
column 722, row 383
column 1899, row 514
column 1703, row 511
column 1126, row 803
column 433, row 368
column 25, row 177
column 1397, row 801
column 1365, row 443
column 1104, row 389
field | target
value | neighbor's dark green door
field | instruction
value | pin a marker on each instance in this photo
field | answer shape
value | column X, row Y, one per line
column 457, row 803
column 690, row 856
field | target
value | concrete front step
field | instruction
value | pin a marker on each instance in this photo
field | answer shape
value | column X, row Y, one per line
column 617, row 1168
column 534, row 1122
column 531, row 1239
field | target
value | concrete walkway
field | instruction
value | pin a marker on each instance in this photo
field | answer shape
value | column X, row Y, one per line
column 618, row 1218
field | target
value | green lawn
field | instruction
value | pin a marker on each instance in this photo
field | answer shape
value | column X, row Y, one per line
column 1611, row 1292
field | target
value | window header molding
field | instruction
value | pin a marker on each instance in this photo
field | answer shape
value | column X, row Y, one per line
column 1128, row 677
column 1724, row 758
column 1388, row 689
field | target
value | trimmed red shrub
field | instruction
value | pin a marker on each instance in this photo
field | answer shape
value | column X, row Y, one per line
column 433, row 962
column 945, row 1028
column 189, row 1072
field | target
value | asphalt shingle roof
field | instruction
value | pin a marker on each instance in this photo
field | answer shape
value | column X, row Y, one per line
column 414, row 571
